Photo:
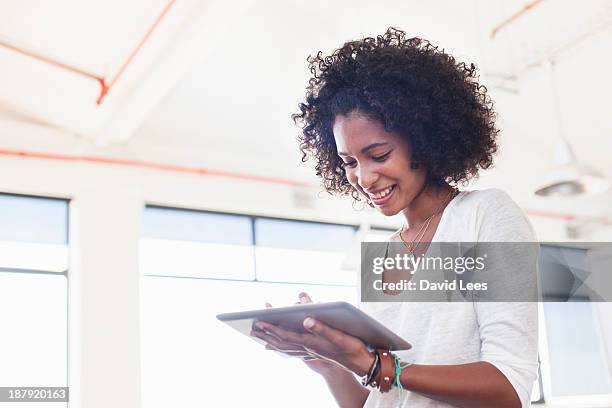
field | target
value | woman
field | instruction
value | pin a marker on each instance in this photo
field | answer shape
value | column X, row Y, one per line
column 400, row 123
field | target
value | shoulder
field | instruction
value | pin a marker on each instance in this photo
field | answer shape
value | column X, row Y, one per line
column 481, row 198
column 490, row 202
column 494, row 216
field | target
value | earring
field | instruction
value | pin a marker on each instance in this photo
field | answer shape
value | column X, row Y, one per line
column 414, row 166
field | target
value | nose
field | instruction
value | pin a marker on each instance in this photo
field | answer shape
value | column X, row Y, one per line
column 366, row 177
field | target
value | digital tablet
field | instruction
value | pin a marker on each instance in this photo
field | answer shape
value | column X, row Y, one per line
column 340, row 315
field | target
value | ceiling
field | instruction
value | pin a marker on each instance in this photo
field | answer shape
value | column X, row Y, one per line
column 96, row 69
column 216, row 82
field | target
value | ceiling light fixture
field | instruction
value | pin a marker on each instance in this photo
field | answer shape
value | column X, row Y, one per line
column 568, row 177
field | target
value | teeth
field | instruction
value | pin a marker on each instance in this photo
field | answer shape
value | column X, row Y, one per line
column 383, row 193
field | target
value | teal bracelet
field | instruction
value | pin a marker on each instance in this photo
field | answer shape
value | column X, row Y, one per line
column 398, row 372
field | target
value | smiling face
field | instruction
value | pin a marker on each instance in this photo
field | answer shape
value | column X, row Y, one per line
column 377, row 162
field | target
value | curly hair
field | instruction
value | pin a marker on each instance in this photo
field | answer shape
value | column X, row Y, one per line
column 413, row 88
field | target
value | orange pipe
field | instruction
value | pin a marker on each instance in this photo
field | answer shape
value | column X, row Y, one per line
column 105, row 84
column 215, row 173
column 513, row 17
column 559, row 216
column 567, row 217
column 151, row 165
column 51, row 61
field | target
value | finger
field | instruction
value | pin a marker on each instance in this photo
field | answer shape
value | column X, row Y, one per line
column 304, row 298
column 278, row 345
column 258, row 328
column 266, row 327
column 268, row 305
column 317, row 355
column 275, row 350
column 321, row 329
column 290, row 353
column 267, row 337
column 287, row 336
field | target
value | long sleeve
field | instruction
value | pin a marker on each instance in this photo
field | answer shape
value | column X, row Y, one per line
column 509, row 330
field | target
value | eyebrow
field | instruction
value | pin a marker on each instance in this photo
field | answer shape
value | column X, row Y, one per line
column 365, row 149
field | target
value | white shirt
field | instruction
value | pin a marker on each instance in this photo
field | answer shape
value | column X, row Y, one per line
column 503, row 334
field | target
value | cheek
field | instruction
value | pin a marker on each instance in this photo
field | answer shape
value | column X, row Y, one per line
column 351, row 176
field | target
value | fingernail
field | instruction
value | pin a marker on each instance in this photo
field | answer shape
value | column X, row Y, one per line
column 309, row 322
column 260, row 325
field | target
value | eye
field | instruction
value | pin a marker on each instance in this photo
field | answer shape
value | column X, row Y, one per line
column 382, row 157
column 350, row 164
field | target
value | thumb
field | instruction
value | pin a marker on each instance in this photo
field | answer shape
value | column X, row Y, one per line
column 304, row 298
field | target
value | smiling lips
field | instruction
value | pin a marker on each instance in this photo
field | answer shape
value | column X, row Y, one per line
column 381, row 197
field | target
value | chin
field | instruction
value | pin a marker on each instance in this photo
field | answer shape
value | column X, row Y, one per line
column 388, row 211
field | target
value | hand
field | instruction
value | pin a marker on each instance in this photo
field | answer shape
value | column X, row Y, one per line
column 321, row 341
column 319, row 365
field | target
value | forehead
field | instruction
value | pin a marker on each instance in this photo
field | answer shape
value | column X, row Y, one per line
column 354, row 131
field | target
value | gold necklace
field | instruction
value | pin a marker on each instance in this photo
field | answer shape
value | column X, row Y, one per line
column 419, row 235
column 425, row 226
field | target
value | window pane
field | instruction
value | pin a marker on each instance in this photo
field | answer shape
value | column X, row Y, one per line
column 286, row 265
column 33, row 305
column 197, row 226
column 33, row 219
column 378, row 235
column 196, row 259
column 196, row 244
column 39, row 257
column 577, row 357
column 576, row 352
column 33, row 344
column 303, row 235
column 182, row 339
column 292, row 251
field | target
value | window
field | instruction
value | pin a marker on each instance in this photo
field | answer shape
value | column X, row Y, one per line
column 575, row 363
column 33, row 291
column 307, row 252
column 195, row 265
column 577, row 356
column 189, row 359
column 378, row 234
column 196, row 244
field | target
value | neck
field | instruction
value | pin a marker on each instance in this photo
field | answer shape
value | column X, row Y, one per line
column 427, row 202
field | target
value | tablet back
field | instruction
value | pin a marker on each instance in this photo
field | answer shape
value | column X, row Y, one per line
column 340, row 315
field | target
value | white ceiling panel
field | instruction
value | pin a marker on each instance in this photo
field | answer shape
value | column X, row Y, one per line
column 54, row 56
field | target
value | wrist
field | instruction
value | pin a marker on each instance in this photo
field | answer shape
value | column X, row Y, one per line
column 363, row 363
column 335, row 374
